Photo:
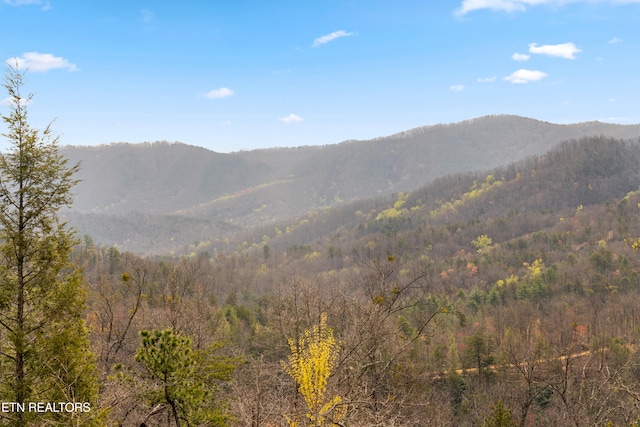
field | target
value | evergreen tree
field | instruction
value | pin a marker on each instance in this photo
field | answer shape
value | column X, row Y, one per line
column 182, row 380
column 44, row 345
column 501, row 416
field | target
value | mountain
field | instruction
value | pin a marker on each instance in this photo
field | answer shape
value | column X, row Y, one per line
column 131, row 195
column 463, row 287
column 507, row 202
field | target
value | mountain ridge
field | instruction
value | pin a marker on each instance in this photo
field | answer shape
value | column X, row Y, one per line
column 248, row 189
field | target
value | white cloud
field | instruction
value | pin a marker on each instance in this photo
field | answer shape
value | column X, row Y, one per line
column 564, row 50
column 615, row 40
column 520, row 57
column 522, row 5
column 456, row 88
column 22, row 2
column 501, row 5
column 525, row 76
column 45, row 5
column 291, row 118
column 487, row 79
column 9, row 101
column 330, row 37
column 40, row 62
column 504, row 5
column 223, row 92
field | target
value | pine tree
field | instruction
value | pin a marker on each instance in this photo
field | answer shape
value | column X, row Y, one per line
column 44, row 345
column 501, row 416
column 169, row 360
column 182, row 380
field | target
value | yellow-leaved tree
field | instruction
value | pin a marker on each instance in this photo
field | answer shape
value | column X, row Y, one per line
column 636, row 244
column 311, row 361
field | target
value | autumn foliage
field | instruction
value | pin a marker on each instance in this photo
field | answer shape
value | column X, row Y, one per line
column 311, row 363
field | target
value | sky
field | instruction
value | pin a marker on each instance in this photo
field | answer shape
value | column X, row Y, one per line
column 247, row 74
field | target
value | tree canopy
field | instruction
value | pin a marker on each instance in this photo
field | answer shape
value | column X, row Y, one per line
column 45, row 355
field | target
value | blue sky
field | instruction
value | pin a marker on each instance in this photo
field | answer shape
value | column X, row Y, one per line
column 245, row 74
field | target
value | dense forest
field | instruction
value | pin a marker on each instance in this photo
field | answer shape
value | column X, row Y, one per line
column 154, row 198
column 503, row 298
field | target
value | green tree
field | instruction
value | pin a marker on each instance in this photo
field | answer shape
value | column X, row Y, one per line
column 501, row 416
column 479, row 352
column 44, row 346
column 183, row 378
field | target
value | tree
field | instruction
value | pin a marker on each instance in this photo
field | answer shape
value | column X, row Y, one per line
column 169, row 359
column 44, row 346
column 310, row 364
column 114, row 309
column 482, row 242
column 183, row 378
column 478, row 352
column 501, row 416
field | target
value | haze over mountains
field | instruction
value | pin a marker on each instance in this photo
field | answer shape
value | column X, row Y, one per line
column 158, row 197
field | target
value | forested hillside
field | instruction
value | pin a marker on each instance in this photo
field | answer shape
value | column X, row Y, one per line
column 578, row 172
column 190, row 194
column 510, row 295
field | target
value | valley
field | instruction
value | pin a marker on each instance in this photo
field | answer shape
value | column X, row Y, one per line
column 517, row 284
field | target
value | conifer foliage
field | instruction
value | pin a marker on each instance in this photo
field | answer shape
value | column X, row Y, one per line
column 500, row 416
column 182, row 381
column 169, row 359
column 44, row 345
